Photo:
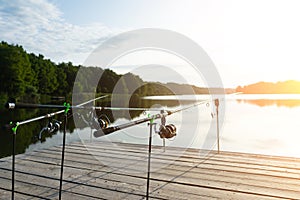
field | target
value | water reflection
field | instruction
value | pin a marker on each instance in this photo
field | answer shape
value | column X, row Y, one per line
column 272, row 102
column 271, row 126
column 27, row 134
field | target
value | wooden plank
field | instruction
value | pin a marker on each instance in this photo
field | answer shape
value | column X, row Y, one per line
column 197, row 167
column 252, row 163
column 81, row 177
column 175, row 190
column 277, row 171
column 173, row 174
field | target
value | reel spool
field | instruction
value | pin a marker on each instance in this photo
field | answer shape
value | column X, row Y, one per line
column 103, row 123
column 168, row 131
column 100, row 122
column 52, row 127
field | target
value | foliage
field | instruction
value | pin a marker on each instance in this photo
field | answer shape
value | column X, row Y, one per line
column 27, row 76
column 45, row 74
column 16, row 72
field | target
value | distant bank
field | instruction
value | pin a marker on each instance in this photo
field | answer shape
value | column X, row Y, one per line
column 281, row 87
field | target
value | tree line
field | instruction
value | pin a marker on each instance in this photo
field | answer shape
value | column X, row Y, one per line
column 26, row 76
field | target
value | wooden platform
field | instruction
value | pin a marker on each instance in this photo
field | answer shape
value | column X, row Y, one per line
column 102, row 170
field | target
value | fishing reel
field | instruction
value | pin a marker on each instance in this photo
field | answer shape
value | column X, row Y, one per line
column 52, row 127
column 168, row 131
column 103, row 122
column 92, row 120
column 165, row 131
column 100, row 122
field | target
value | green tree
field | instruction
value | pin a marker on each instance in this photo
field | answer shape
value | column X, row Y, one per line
column 70, row 71
column 61, row 81
column 132, row 82
column 46, row 75
column 108, row 81
column 16, row 73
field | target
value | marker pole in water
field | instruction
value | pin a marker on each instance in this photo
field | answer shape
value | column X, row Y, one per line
column 217, row 103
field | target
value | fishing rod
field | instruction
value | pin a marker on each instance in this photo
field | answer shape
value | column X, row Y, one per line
column 14, row 126
column 25, row 105
column 165, row 131
column 11, row 105
column 53, row 126
column 162, row 115
column 126, row 108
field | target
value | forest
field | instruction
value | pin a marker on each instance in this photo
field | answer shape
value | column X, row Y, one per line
column 26, row 76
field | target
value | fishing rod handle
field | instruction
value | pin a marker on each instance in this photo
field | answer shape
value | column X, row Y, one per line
column 10, row 105
column 105, row 131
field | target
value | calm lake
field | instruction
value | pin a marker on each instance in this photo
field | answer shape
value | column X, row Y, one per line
column 262, row 124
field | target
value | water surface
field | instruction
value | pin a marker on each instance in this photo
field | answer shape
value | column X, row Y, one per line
column 263, row 124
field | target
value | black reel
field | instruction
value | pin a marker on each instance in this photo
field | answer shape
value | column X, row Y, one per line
column 100, row 122
column 168, row 131
column 103, row 123
column 52, row 127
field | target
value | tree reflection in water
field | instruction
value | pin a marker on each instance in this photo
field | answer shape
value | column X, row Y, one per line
column 27, row 134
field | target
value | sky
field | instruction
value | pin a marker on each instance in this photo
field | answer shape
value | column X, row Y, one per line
column 248, row 40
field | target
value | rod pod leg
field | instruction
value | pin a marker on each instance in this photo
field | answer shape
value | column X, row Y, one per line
column 62, row 157
column 13, row 166
column 151, row 124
